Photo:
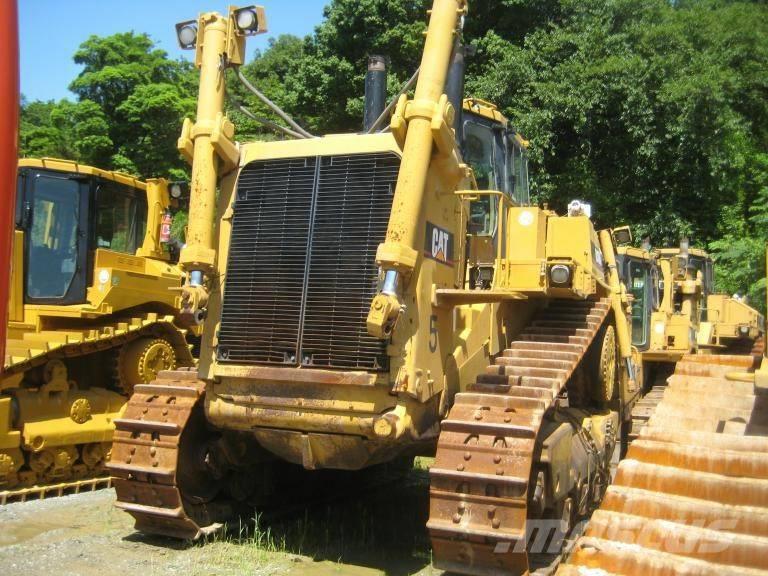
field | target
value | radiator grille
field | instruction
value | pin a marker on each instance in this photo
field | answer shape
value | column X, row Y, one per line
column 267, row 254
column 301, row 271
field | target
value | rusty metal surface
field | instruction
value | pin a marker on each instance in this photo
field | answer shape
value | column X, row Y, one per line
column 481, row 475
column 692, row 495
column 282, row 375
column 758, row 347
column 643, row 410
column 146, row 454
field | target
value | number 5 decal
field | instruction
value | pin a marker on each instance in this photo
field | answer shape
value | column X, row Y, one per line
column 433, row 333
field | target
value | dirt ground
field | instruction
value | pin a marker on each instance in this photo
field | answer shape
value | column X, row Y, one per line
column 381, row 532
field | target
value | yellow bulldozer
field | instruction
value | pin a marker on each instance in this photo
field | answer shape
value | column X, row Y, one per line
column 668, row 303
column 93, row 312
column 676, row 312
column 371, row 297
column 716, row 323
column 726, row 323
column 691, row 497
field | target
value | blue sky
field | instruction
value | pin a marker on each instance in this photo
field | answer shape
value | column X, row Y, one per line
column 51, row 30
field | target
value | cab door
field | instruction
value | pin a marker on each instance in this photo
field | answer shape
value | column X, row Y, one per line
column 640, row 284
column 54, row 217
column 480, row 151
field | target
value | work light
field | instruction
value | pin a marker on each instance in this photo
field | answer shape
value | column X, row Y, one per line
column 178, row 189
column 560, row 274
column 249, row 19
column 186, row 32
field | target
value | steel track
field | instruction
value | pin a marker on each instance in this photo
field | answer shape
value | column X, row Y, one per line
column 37, row 348
column 480, row 481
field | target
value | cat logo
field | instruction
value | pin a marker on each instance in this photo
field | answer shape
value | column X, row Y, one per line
column 438, row 244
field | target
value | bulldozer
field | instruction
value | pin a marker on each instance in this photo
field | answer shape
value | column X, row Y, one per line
column 92, row 313
column 677, row 312
column 369, row 297
column 691, row 497
column 669, row 299
column 726, row 324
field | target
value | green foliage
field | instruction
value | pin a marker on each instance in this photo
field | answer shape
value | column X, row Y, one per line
column 151, row 118
column 179, row 226
column 320, row 80
column 131, row 102
column 37, row 134
column 268, row 70
column 653, row 111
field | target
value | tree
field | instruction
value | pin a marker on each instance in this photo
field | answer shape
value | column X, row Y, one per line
column 150, row 120
column 653, row 111
column 37, row 135
column 114, row 66
column 269, row 70
column 321, row 80
column 132, row 100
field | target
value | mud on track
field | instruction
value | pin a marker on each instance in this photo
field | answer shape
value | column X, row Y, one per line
column 369, row 533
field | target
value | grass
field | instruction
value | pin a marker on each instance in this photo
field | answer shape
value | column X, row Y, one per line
column 365, row 530
column 250, row 549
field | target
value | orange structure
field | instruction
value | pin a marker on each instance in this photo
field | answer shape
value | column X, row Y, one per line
column 9, row 127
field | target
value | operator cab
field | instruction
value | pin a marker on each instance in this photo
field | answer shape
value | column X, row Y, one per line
column 640, row 274
column 499, row 159
column 66, row 213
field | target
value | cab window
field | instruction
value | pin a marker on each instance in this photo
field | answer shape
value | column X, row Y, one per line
column 517, row 172
column 482, row 215
column 53, row 236
column 121, row 217
column 638, row 281
column 478, row 152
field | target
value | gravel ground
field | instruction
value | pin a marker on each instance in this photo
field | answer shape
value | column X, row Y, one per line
column 85, row 535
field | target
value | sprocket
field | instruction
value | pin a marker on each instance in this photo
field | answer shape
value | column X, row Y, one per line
column 140, row 361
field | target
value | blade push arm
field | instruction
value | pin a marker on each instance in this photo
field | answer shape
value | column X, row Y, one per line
column 425, row 123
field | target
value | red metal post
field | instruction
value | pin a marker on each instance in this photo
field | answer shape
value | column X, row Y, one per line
column 9, row 135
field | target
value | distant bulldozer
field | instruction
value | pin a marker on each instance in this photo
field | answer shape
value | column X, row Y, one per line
column 93, row 313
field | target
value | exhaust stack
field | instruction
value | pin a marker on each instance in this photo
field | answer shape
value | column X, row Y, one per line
column 375, row 90
column 454, row 88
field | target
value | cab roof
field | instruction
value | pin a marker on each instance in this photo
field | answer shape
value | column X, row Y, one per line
column 491, row 112
column 59, row 165
column 634, row 252
column 485, row 109
column 666, row 252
